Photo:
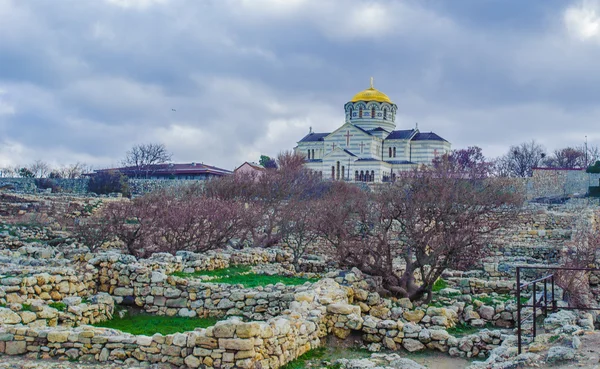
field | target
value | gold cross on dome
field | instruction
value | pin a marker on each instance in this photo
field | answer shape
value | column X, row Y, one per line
column 372, row 82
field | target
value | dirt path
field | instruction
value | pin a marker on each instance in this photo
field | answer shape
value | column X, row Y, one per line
column 438, row 360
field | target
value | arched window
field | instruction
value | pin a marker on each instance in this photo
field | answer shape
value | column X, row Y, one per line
column 362, row 175
column 372, row 176
column 384, row 114
column 332, row 172
column 360, row 112
column 309, row 154
column 390, row 152
column 373, row 112
column 343, row 171
column 337, row 175
column 356, row 176
column 350, row 113
column 313, row 154
column 394, row 153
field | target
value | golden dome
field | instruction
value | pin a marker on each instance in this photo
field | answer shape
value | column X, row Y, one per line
column 371, row 94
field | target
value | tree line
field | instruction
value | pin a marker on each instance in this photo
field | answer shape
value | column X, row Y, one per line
column 433, row 218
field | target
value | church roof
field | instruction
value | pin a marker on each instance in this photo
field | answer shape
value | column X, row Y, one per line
column 399, row 162
column 378, row 129
column 427, row 136
column 403, row 134
column 371, row 94
column 314, row 137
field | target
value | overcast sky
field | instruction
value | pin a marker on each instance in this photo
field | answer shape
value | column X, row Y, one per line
column 84, row 80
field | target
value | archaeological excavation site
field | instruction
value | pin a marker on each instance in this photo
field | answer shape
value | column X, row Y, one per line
column 289, row 271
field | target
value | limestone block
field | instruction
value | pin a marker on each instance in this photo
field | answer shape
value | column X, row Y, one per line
column 178, row 303
column 414, row 316
column 180, row 339
column 341, row 308
column 47, row 313
column 439, row 334
column 225, row 329
column 58, row 336
column 123, row 291
column 247, row 330
column 192, row 361
column 172, row 292
column 412, row 345
column 486, row 312
column 27, row 316
column 8, row 316
column 15, row 347
column 240, row 344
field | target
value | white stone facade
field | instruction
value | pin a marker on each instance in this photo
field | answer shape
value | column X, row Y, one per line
column 367, row 148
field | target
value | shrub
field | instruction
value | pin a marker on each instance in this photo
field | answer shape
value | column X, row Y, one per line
column 105, row 182
column 45, row 183
column 594, row 168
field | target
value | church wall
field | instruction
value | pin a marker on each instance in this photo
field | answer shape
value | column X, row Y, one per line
column 345, row 162
column 402, row 149
column 317, row 146
column 371, row 146
column 379, row 168
column 365, row 119
column 423, row 152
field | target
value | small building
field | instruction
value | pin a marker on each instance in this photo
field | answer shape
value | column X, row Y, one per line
column 249, row 169
column 184, row 171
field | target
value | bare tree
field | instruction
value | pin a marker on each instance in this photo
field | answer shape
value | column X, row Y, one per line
column 130, row 222
column 73, row 171
column 567, row 157
column 10, row 171
column 520, row 160
column 434, row 218
column 141, row 158
column 265, row 196
column 39, row 168
column 581, row 252
column 194, row 222
column 297, row 225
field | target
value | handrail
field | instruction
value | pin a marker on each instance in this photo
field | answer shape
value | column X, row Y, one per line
column 543, row 302
column 537, row 280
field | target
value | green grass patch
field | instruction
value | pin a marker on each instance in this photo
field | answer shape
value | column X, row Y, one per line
column 439, row 285
column 225, row 272
column 150, row 324
column 241, row 274
column 60, row 306
column 463, row 329
column 26, row 307
column 553, row 339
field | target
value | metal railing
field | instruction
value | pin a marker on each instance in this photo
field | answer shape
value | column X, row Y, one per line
column 542, row 303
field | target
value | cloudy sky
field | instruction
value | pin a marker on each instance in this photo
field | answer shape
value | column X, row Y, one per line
column 84, row 80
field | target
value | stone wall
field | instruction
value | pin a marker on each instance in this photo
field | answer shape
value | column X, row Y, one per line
column 560, row 182
column 228, row 344
column 71, row 312
column 27, row 185
column 543, row 183
column 147, row 284
column 54, row 284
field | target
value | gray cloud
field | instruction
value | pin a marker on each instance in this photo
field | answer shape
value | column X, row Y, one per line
column 85, row 80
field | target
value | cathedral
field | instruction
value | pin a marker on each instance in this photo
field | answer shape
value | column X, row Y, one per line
column 367, row 147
